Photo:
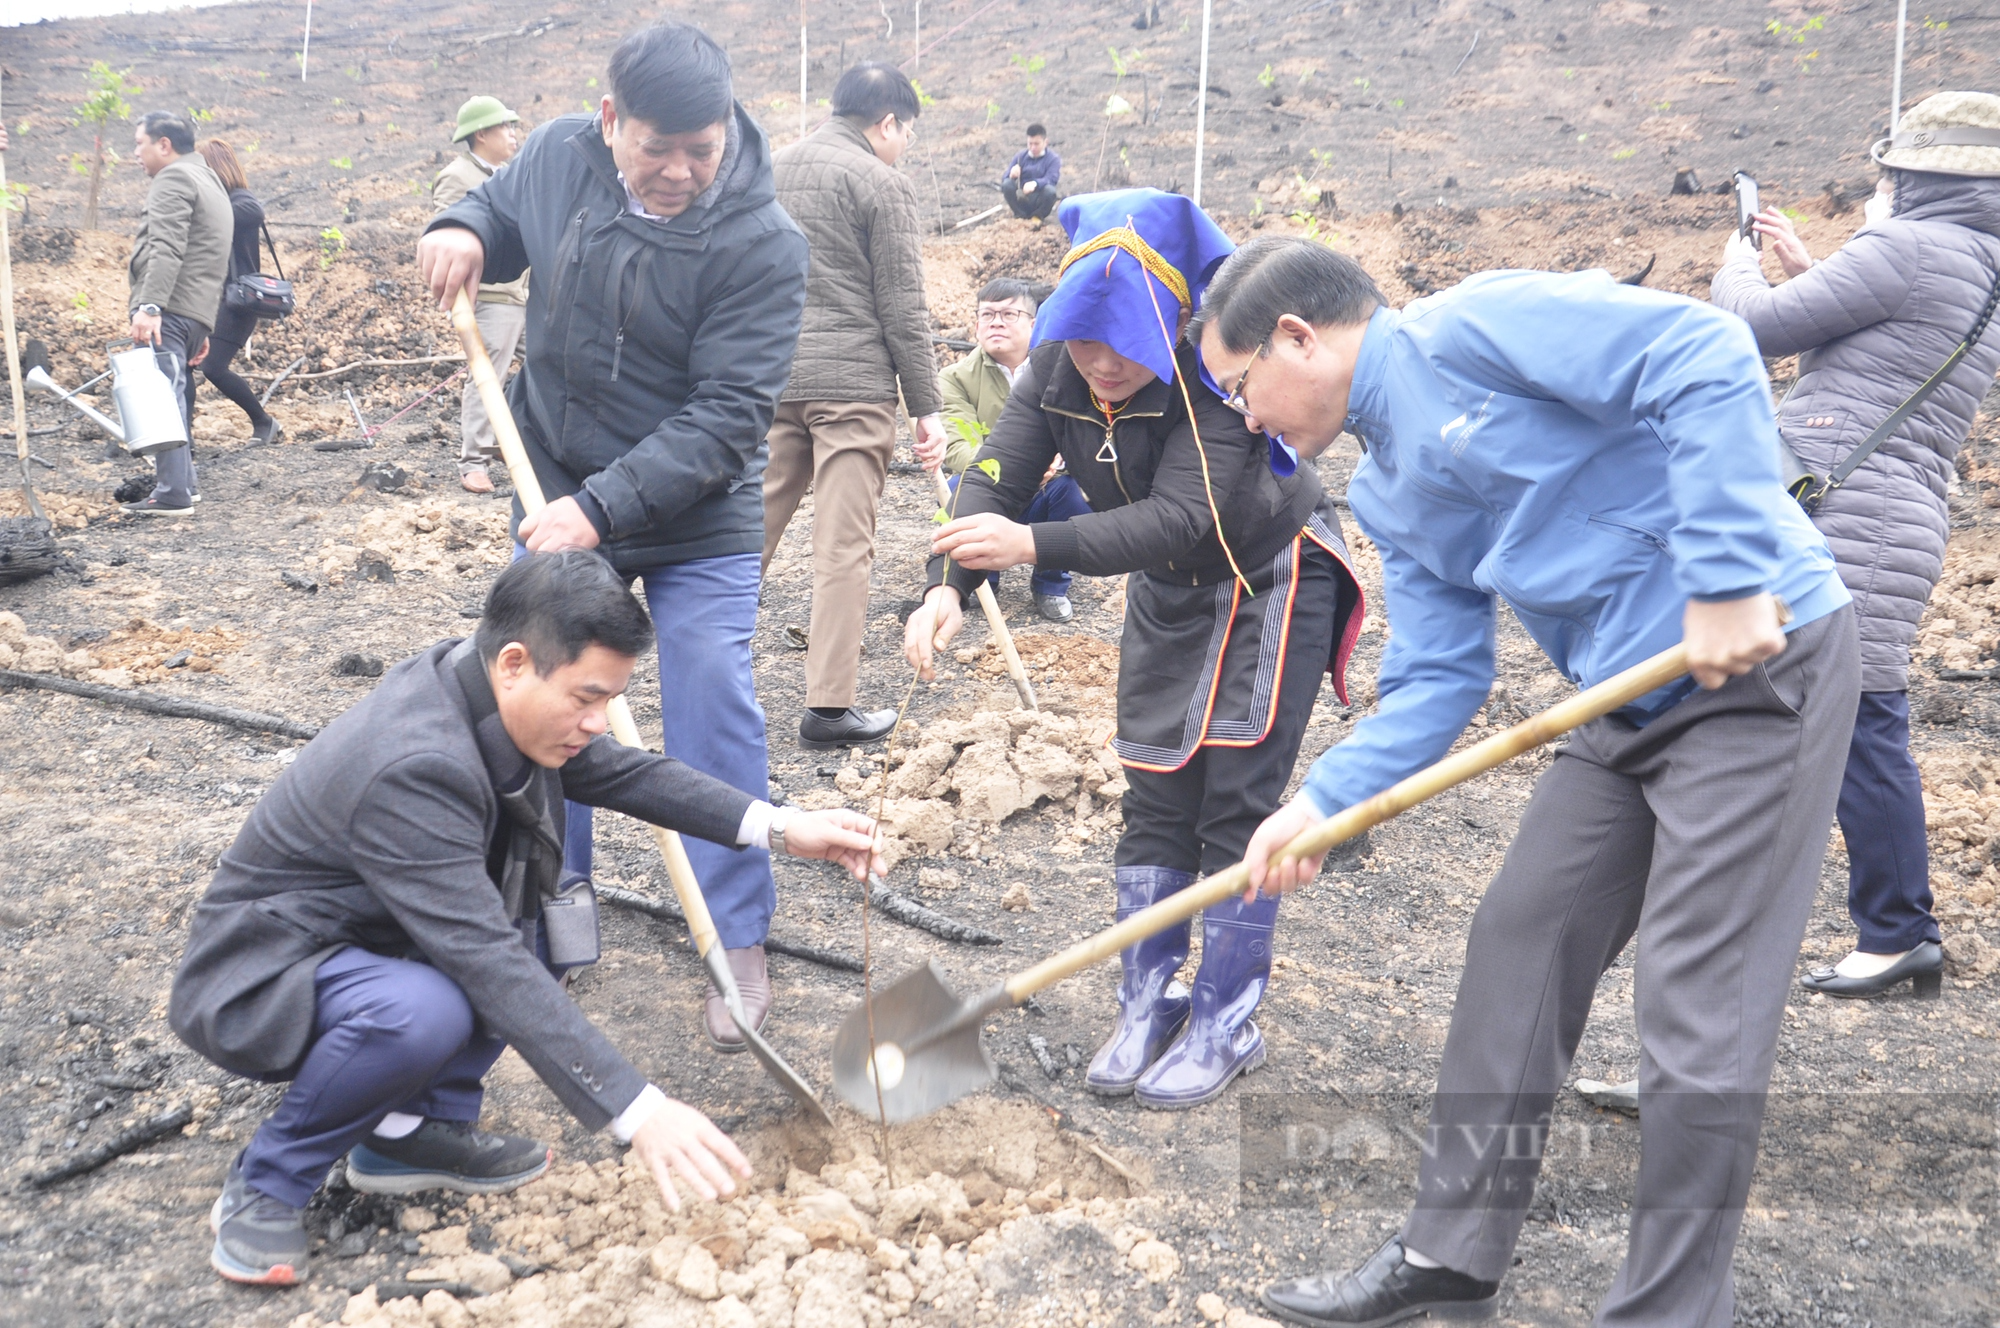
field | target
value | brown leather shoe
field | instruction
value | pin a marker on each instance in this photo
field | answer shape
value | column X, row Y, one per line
column 753, row 982
column 476, row 480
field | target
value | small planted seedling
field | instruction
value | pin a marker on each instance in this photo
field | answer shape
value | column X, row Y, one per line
column 106, row 103
column 1029, row 65
column 332, row 244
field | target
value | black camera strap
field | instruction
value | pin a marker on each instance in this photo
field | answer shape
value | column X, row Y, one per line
column 1811, row 492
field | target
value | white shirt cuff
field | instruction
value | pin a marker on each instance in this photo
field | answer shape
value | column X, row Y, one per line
column 755, row 831
column 627, row 1122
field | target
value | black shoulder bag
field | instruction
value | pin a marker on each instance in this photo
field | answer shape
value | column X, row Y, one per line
column 265, row 297
column 1811, row 490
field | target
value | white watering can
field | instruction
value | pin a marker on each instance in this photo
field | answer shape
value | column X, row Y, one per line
column 149, row 407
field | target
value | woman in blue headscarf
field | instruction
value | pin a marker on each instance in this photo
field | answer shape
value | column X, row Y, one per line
column 1240, row 598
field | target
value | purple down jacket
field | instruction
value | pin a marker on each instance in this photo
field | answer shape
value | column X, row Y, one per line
column 1870, row 324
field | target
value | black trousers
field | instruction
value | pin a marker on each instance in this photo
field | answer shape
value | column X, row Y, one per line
column 233, row 328
column 1038, row 204
column 1200, row 817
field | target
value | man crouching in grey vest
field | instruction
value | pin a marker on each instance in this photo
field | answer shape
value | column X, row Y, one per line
column 376, row 934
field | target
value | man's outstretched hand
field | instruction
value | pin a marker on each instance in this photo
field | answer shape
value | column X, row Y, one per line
column 451, row 259
column 836, row 835
column 677, row 1139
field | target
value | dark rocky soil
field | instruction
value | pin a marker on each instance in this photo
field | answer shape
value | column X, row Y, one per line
column 1872, row 1206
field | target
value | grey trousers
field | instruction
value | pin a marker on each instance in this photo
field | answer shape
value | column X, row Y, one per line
column 173, row 470
column 500, row 327
column 1703, row 833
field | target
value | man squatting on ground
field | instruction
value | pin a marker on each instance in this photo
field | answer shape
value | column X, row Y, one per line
column 492, row 135
column 1240, row 599
column 867, row 332
column 1029, row 186
column 975, row 392
column 660, row 333
column 376, row 933
column 1604, row 458
column 179, row 261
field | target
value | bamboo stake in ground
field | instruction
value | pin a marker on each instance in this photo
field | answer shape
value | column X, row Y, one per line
column 701, row 927
column 991, row 608
column 13, row 347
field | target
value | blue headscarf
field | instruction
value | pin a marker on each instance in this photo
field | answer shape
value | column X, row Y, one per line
column 1113, row 287
column 1108, row 293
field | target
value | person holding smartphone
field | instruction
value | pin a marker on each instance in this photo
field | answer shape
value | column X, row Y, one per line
column 1870, row 324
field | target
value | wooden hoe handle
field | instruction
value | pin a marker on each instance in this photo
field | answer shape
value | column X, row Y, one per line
column 991, row 608
column 1453, row 770
column 701, row 927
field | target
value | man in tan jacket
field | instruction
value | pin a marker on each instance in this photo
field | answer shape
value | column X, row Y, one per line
column 867, row 332
column 179, row 259
column 491, row 134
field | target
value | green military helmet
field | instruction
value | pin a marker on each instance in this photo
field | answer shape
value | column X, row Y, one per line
column 481, row 113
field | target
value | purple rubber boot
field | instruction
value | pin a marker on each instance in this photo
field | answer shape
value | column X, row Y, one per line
column 1152, row 1006
column 1220, row 1041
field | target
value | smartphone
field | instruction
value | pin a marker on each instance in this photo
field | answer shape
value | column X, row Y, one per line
column 1747, row 209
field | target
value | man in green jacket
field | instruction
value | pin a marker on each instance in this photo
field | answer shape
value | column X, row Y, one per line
column 179, row 260
column 492, row 135
column 975, row 390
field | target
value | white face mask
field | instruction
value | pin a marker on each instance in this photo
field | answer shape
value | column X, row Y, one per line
column 1876, row 209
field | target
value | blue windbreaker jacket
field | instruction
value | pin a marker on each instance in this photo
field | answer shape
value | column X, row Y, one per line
column 1592, row 453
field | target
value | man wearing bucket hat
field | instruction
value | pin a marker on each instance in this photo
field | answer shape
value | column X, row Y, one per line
column 1240, row 599
column 1603, row 458
column 491, row 135
column 1872, row 324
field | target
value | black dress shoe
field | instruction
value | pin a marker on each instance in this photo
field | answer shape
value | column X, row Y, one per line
column 850, row 728
column 1922, row 968
column 1387, row 1289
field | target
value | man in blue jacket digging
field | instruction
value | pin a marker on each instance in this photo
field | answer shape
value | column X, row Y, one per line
column 1604, row 458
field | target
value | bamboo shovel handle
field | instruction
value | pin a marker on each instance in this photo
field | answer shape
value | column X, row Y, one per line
column 1455, row 769
column 701, row 927
column 994, row 622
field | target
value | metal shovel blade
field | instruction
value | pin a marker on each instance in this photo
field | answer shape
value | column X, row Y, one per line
column 926, row 1047
column 717, row 963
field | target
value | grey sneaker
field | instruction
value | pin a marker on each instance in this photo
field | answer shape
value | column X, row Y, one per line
column 1056, row 608
column 446, row 1155
column 258, row 1240
column 154, row 507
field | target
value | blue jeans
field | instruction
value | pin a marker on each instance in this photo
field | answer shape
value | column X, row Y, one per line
column 1058, row 500
column 703, row 614
column 1881, row 815
column 388, row 1035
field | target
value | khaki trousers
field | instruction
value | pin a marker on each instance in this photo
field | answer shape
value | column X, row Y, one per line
column 500, row 327
column 842, row 450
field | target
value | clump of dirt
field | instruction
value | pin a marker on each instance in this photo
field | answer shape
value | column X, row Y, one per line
column 1962, row 814
column 1961, row 626
column 954, row 779
column 825, row 1238
column 139, row 652
column 65, row 511
column 433, row 539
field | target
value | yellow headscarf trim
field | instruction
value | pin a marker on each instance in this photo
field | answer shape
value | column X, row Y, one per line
column 1127, row 239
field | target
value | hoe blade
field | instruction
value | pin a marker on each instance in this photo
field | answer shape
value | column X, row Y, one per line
column 927, row 1049
column 767, row 1056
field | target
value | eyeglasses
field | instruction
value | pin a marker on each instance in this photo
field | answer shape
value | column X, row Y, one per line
column 1001, row 317
column 1233, row 398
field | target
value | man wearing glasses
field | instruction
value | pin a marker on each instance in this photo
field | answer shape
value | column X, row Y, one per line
column 975, row 389
column 1604, row 458
column 867, row 333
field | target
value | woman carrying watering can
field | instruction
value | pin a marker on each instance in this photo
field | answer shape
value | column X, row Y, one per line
column 1240, row 598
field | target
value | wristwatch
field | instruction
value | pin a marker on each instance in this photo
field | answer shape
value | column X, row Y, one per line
column 150, row 310
column 780, row 818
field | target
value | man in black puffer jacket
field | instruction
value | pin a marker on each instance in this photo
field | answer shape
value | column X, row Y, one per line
column 669, row 286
